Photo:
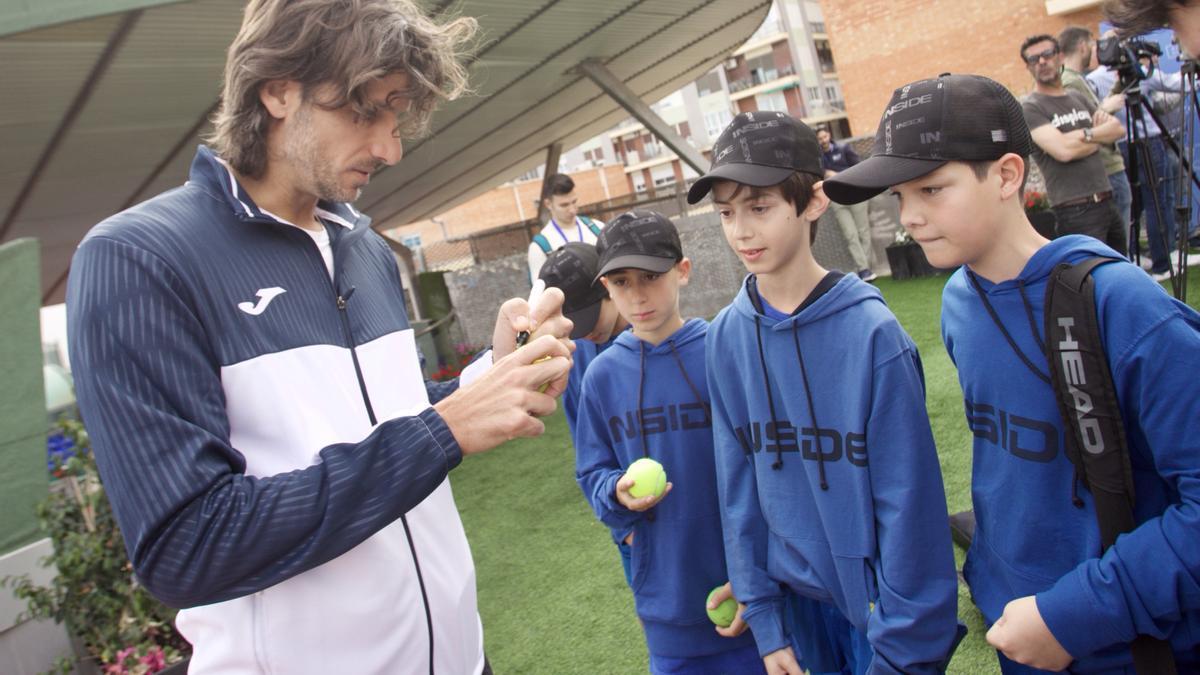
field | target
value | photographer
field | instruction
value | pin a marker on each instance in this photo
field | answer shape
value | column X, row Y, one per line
column 1157, row 165
column 1079, row 58
column 1067, row 132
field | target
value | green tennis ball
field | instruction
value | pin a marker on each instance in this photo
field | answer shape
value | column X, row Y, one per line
column 724, row 613
column 649, row 478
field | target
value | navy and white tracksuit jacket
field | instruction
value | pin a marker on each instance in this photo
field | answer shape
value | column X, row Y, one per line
column 266, row 438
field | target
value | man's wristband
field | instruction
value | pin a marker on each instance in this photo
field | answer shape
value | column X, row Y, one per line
column 1088, row 137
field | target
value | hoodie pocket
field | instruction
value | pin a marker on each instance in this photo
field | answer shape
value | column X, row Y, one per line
column 856, row 576
column 640, row 556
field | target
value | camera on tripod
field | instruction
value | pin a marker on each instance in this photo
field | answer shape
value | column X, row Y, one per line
column 1124, row 56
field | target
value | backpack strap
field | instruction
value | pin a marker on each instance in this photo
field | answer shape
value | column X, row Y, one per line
column 1087, row 401
column 591, row 225
column 542, row 242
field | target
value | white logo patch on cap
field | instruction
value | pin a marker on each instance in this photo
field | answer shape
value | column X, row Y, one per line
column 999, row 135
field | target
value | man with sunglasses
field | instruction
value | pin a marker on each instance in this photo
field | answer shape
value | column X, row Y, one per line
column 1068, row 130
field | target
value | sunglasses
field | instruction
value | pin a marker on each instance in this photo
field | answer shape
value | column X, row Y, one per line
column 1032, row 59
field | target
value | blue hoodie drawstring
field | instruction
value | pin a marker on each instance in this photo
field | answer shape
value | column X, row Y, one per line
column 762, row 362
column 1076, row 501
column 812, row 410
column 641, row 387
column 682, row 371
column 1003, row 331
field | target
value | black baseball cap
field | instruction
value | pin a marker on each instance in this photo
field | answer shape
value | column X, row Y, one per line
column 642, row 240
column 931, row 122
column 572, row 269
column 760, row 149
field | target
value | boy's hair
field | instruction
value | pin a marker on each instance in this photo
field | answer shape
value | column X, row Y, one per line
column 1034, row 39
column 341, row 46
column 796, row 189
column 1134, row 17
column 560, row 184
column 1071, row 37
column 982, row 167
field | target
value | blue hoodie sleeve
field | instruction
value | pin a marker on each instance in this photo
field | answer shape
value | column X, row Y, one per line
column 597, row 468
column 914, row 623
column 196, row 528
column 743, row 524
column 1151, row 576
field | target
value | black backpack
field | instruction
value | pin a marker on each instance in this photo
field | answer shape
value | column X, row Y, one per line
column 1087, row 401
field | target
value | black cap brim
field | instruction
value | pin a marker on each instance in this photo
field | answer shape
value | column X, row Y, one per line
column 756, row 175
column 649, row 263
column 584, row 320
column 876, row 174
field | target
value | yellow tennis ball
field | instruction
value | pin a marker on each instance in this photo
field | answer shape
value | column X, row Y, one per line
column 545, row 385
column 724, row 613
column 649, row 478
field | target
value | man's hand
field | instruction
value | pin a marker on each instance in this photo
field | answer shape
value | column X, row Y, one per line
column 504, row 403
column 1111, row 104
column 545, row 318
column 782, row 662
column 1022, row 635
column 738, row 626
column 637, row 503
column 1100, row 117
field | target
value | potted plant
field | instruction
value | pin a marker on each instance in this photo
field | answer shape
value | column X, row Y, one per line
column 1037, row 210
column 118, row 626
column 906, row 258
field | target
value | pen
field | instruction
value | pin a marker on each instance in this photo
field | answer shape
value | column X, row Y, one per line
column 535, row 294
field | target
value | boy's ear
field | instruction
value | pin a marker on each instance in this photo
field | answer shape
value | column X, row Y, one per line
column 1011, row 169
column 604, row 282
column 818, row 203
column 684, row 266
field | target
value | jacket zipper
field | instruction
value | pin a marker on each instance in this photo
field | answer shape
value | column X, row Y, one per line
column 342, row 301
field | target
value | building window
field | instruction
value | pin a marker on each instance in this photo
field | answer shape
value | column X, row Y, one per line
column 716, row 121
column 774, row 100
column 824, row 56
column 762, row 68
column 814, row 93
column 831, row 93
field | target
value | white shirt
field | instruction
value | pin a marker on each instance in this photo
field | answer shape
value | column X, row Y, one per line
column 558, row 237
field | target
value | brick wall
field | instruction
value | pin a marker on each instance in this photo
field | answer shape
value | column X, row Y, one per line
column 879, row 45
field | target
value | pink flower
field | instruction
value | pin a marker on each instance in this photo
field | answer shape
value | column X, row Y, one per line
column 154, row 660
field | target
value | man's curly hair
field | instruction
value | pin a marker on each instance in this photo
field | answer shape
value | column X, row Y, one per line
column 339, row 47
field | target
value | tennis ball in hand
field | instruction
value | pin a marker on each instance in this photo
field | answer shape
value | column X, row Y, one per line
column 724, row 613
column 648, row 476
column 545, row 385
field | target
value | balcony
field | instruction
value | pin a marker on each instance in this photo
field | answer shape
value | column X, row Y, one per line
column 760, row 80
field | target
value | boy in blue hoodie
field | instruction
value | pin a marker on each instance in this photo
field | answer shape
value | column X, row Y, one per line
column 831, row 492
column 572, row 269
column 646, row 396
column 1035, row 567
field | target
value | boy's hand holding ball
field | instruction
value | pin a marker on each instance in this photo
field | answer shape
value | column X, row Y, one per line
column 643, row 485
column 725, row 611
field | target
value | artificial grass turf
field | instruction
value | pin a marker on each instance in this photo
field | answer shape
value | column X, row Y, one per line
column 551, row 591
